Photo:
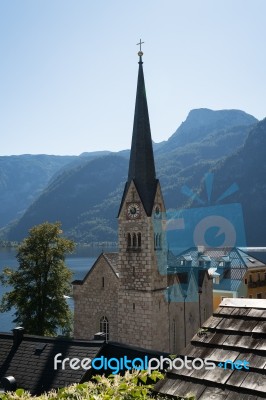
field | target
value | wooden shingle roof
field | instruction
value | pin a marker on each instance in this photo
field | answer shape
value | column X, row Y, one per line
column 236, row 331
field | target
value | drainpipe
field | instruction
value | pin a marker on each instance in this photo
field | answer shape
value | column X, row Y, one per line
column 185, row 328
column 169, row 325
column 199, row 310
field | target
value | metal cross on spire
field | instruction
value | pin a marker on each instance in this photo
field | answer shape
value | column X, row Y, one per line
column 139, row 44
column 140, row 53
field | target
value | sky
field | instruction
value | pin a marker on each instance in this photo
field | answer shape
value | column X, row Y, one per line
column 68, row 68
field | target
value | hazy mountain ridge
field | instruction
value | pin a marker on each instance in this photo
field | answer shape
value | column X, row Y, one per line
column 247, row 168
column 188, row 165
column 87, row 194
column 74, row 193
column 22, row 178
column 202, row 122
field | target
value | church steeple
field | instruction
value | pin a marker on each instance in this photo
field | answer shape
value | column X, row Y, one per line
column 141, row 165
column 142, row 260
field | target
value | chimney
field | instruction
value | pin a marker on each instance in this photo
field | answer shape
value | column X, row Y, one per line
column 201, row 250
column 100, row 336
column 9, row 383
column 17, row 335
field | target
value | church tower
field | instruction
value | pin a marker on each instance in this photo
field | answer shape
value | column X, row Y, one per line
column 133, row 296
column 143, row 315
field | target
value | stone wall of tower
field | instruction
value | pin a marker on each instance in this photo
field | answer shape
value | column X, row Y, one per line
column 142, row 305
column 161, row 337
column 143, row 320
column 94, row 299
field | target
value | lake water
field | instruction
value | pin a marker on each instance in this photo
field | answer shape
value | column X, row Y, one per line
column 79, row 262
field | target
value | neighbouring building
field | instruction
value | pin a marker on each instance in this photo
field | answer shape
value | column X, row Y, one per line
column 139, row 296
column 236, row 333
column 235, row 272
column 28, row 361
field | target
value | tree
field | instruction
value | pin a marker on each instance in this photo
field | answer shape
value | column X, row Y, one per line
column 41, row 282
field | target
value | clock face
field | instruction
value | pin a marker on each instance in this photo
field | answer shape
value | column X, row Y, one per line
column 133, row 210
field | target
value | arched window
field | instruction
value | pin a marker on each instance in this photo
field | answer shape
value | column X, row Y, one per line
column 157, row 241
column 134, row 240
column 139, row 239
column 128, row 240
column 159, row 245
column 104, row 327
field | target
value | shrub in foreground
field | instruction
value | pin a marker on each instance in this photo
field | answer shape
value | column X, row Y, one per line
column 136, row 385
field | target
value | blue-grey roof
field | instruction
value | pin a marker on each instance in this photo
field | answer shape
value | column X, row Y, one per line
column 230, row 263
column 234, row 259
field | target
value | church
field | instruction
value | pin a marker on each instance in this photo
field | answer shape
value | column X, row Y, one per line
column 142, row 295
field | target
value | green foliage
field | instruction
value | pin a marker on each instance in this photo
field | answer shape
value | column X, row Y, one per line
column 41, row 282
column 202, row 332
column 132, row 386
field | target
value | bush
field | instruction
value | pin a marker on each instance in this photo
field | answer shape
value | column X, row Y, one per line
column 131, row 386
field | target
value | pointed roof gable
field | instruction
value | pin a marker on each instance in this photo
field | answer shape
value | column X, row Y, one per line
column 141, row 165
column 110, row 258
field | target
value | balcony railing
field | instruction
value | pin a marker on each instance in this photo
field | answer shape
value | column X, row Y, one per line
column 257, row 284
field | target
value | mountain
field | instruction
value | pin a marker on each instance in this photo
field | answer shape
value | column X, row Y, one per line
column 201, row 123
column 247, row 168
column 195, row 148
column 74, row 198
column 85, row 196
column 22, row 178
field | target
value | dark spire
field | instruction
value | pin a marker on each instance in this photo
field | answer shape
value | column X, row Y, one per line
column 141, row 164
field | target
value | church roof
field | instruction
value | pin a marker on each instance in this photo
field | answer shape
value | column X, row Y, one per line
column 236, row 331
column 141, row 165
column 112, row 261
